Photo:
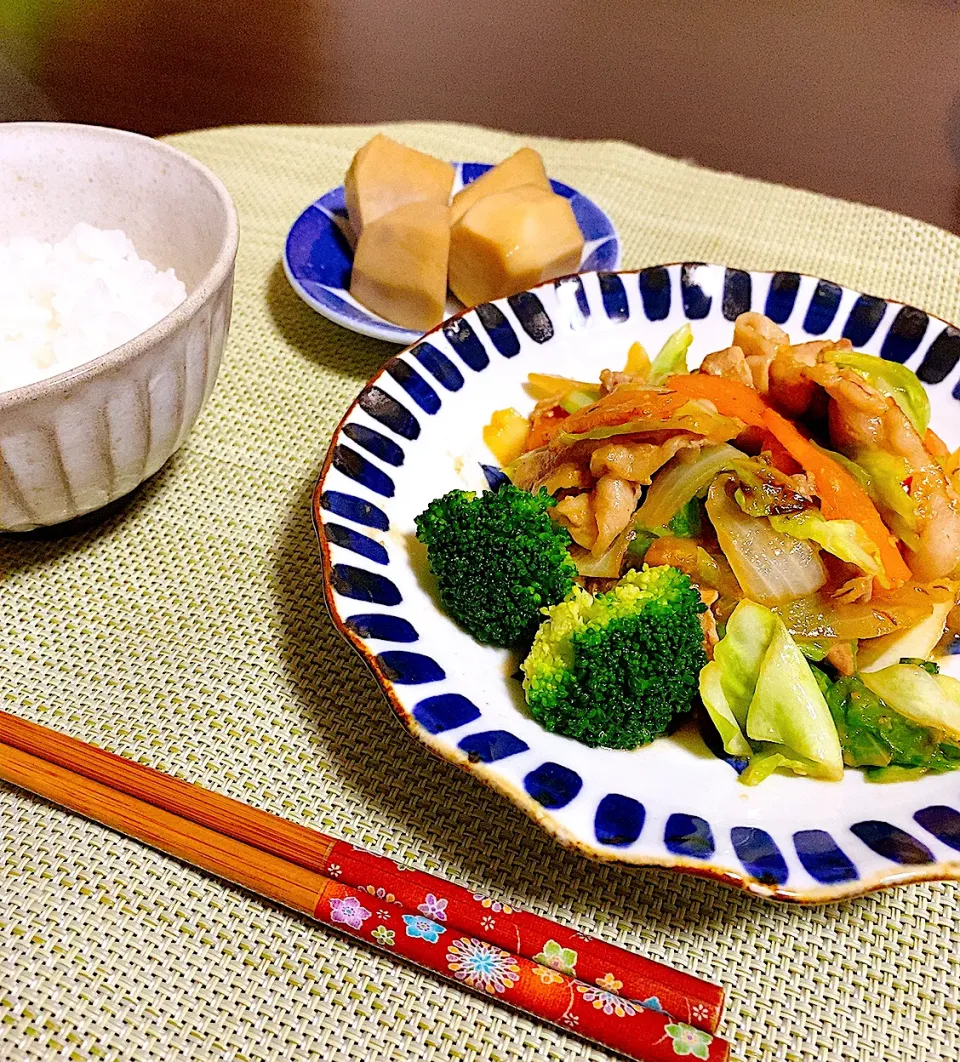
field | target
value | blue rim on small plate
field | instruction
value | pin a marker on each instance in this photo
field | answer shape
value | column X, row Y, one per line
column 317, row 256
column 414, row 433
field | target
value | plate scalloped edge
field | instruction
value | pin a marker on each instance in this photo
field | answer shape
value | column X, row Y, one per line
column 355, row 494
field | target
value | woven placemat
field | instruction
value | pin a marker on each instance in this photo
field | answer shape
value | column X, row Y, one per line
column 187, row 630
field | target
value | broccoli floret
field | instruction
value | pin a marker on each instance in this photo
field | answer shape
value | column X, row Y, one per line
column 615, row 669
column 498, row 559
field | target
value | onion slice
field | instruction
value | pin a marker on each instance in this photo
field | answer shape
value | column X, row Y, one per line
column 770, row 567
column 686, row 476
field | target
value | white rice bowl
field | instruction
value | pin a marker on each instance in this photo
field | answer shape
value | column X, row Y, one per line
column 64, row 304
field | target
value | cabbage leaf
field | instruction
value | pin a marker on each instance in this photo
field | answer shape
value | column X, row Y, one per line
column 845, row 539
column 930, row 701
column 895, row 381
column 877, row 736
column 685, row 477
column 672, row 357
column 765, row 701
column 917, row 641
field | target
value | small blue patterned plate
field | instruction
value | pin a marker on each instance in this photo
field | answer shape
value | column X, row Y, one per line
column 415, row 432
column 317, row 257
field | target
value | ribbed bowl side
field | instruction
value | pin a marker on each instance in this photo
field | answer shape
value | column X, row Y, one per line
column 89, row 443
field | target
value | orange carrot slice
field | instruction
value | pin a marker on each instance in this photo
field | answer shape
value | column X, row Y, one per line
column 732, row 398
column 623, row 406
column 779, row 455
column 841, row 496
column 934, row 444
column 544, row 424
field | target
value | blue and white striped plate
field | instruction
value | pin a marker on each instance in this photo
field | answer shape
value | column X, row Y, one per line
column 415, row 432
column 317, row 257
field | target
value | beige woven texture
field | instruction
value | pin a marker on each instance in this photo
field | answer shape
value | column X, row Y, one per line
column 187, row 630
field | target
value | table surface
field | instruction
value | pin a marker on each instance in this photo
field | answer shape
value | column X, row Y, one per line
column 854, row 98
column 186, row 629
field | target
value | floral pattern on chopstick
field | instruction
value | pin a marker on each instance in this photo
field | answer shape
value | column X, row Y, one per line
column 384, row 936
column 557, row 957
column 551, row 992
column 434, row 908
column 380, row 894
column 348, row 911
column 564, row 951
column 482, row 966
column 574, row 954
column 424, row 928
column 689, row 1041
column 606, row 1001
column 493, row 905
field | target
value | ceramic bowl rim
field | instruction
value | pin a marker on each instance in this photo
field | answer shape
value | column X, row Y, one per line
column 211, row 281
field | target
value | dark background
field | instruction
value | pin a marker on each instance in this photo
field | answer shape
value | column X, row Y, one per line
column 856, row 98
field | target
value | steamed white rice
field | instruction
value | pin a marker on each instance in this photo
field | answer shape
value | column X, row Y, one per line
column 67, row 303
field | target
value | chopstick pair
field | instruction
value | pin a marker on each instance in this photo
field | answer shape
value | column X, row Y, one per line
column 583, row 985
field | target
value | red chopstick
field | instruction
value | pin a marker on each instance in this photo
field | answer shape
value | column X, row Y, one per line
column 531, row 937
column 586, row 1010
column 536, row 938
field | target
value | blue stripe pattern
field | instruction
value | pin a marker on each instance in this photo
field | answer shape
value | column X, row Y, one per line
column 864, row 319
column 905, row 334
column 822, row 857
column 614, row 296
column 466, row 345
column 415, row 385
column 355, row 509
column 356, row 467
column 689, row 835
column 782, row 296
column 379, row 625
column 440, row 367
column 580, row 295
column 347, row 538
column 737, row 289
column 362, row 585
column 696, row 303
column 943, row 822
column 941, row 358
column 823, row 308
column 552, row 785
column 409, row 669
column 389, row 412
column 494, row 477
column 892, row 843
column 499, row 329
column 759, row 855
column 492, row 745
column 446, row 711
column 654, row 284
column 532, row 316
column 375, row 443
column 619, row 820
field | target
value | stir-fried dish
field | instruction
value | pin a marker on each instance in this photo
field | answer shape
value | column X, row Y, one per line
column 770, row 542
